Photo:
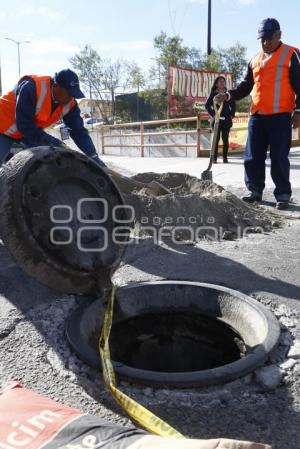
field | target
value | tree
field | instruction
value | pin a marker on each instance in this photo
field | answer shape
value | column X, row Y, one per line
column 89, row 66
column 243, row 105
column 135, row 76
column 195, row 58
column 100, row 77
column 171, row 51
column 157, row 102
column 235, row 61
column 135, row 80
column 213, row 62
column 112, row 79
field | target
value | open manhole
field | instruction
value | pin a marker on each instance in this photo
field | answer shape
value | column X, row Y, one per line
column 175, row 342
column 178, row 333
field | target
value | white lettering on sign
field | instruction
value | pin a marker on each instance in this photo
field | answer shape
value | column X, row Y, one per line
column 194, row 83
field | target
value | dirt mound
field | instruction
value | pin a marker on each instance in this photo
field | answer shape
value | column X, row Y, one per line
column 194, row 210
column 181, row 183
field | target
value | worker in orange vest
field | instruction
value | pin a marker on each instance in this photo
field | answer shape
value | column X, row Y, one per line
column 273, row 78
column 38, row 102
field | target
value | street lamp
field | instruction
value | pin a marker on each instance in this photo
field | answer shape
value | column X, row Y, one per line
column 18, row 43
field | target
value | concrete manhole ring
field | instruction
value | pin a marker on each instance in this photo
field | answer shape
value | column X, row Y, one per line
column 183, row 320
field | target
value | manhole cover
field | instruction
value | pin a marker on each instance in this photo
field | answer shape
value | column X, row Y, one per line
column 58, row 214
column 178, row 333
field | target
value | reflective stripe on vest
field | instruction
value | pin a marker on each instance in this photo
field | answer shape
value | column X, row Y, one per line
column 66, row 109
column 11, row 130
column 279, row 78
column 42, row 97
column 272, row 92
column 44, row 115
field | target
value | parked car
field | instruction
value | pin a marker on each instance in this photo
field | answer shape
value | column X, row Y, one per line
column 90, row 122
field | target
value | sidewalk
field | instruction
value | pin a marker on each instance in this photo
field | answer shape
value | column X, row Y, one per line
column 231, row 174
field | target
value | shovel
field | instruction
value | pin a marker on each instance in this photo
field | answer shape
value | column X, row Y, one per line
column 128, row 185
column 206, row 175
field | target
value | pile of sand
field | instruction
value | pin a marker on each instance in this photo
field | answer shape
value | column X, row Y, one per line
column 194, row 210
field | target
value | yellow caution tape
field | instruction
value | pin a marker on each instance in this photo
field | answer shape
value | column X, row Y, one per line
column 139, row 413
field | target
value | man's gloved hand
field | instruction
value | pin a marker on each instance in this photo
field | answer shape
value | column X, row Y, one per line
column 221, row 97
column 58, row 145
column 63, row 145
column 56, row 142
column 296, row 120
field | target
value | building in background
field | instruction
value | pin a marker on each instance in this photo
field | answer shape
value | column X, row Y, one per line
column 97, row 109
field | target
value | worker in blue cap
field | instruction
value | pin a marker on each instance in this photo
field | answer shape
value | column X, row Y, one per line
column 273, row 79
column 38, row 102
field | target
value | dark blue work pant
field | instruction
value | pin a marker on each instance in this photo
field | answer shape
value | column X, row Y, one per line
column 5, row 146
column 273, row 132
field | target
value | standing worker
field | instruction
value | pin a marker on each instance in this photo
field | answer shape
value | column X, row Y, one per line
column 273, row 76
column 38, row 102
column 228, row 112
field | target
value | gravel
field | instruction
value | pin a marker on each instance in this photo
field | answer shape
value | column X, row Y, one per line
column 33, row 349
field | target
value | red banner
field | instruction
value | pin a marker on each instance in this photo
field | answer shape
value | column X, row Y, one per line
column 189, row 89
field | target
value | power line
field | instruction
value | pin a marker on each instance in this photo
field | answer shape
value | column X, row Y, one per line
column 183, row 16
column 171, row 18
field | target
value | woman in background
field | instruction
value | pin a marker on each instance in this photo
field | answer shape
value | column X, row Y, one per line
column 227, row 115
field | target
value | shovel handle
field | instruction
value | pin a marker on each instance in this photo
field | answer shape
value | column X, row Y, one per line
column 217, row 110
column 215, row 133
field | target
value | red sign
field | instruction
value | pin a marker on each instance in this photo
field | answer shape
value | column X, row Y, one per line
column 189, row 89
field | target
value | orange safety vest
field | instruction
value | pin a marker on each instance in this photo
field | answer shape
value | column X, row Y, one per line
column 44, row 116
column 272, row 92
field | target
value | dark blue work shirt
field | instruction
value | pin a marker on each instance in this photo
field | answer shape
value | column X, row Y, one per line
column 34, row 136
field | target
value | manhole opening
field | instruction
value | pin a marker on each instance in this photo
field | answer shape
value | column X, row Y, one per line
column 175, row 342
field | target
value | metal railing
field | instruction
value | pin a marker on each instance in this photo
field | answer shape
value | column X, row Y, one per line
column 142, row 126
column 127, row 130
column 105, row 136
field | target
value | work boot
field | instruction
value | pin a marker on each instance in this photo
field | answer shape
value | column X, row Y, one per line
column 282, row 205
column 253, row 197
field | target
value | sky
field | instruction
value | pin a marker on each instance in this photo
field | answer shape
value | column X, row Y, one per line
column 124, row 29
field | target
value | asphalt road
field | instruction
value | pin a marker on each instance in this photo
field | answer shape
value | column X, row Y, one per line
column 33, row 349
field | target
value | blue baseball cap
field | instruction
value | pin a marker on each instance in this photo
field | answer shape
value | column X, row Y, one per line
column 267, row 28
column 69, row 80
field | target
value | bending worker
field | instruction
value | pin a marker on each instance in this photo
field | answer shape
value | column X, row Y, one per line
column 38, row 102
column 273, row 76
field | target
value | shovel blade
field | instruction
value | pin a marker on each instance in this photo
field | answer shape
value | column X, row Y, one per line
column 158, row 189
column 206, row 175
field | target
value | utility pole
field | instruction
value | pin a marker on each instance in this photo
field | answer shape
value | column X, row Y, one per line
column 209, row 28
